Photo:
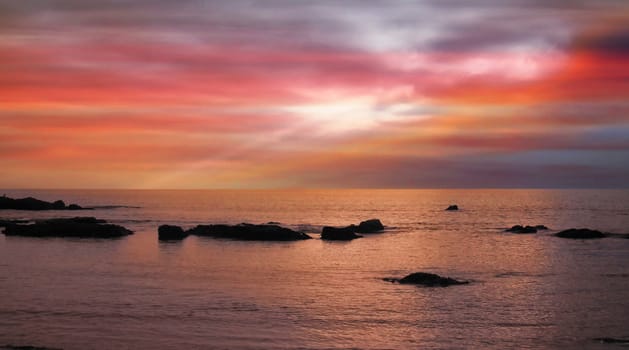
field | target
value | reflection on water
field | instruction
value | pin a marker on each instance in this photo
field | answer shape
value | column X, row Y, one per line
column 533, row 291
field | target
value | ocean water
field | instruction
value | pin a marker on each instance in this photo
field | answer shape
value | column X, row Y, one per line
column 527, row 291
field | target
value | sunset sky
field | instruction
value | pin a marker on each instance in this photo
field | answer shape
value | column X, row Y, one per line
column 298, row 93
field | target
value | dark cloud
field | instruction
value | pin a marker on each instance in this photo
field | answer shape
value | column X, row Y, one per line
column 614, row 42
column 465, row 172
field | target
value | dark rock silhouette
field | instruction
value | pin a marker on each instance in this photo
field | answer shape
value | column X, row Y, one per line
column 453, row 207
column 58, row 205
column 580, row 233
column 25, row 347
column 612, row 340
column 369, row 226
column 249, row 232
column 171, row 233
column 5, row 223
column 30, row 203
column 522, row 229
column 349, row 232
column 339, row 233
column 541, row 227
column 427, row 279
column 83, row 227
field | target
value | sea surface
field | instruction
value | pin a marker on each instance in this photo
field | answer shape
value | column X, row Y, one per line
column 528, row 291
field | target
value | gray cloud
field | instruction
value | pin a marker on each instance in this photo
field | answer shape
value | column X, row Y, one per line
column 614, row 42
column 349, row 25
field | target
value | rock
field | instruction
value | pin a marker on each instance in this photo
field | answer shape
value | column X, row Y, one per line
column 369, row 226
column 171, row 233
column 30, row 203
column 5, row 223
column 541, row 227
column 249, row 232
column 25, row 347
column 453, row 207
column 612, row 340
column 58, row 205
column 83, row 227
column 522, row 229
column 580, row 233
column 427, row 279
column 339, row 233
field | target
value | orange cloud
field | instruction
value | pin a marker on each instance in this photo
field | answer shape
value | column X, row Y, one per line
column 208, row 107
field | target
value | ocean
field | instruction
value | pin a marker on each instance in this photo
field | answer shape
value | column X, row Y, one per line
column 532, row 291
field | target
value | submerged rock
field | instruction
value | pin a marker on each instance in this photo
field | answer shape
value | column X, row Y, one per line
column 580, row 233
column 171, row 233
column 84, row 227
column 453, row 207
column 339, row 233
column 427, row 279
column 612, row 340
column 369, row 226
column 25, row 347
column 30, row 203
column 522, row 229
column 249, row 232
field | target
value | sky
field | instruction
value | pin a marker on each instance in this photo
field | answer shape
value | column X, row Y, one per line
column 314, row 94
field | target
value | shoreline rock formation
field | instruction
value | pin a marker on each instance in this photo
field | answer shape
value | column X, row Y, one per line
column 248, row 232
column 30, row 203
column 80, row 227
column 526, row 229
column 370, row 226
column 171, row 233
column 426, row 279
column 348, row 233
column 580, row 233
column 7, row 222
column 339, row 233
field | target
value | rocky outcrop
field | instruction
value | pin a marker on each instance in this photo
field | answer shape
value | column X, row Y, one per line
column 369, row 226
column 83, row 227
column 249, row 232
column 171, row 233
column 453, row 207
column 5, row 223
column 580, row 233
column 339, row 233
column 427, row 279
column 30, row 203
column 612, row 340
column 522, row 229
column 25, row 347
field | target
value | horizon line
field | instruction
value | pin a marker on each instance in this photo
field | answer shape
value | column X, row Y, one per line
column 309, row 188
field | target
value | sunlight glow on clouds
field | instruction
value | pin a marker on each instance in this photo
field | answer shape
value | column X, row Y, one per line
column 279, row 93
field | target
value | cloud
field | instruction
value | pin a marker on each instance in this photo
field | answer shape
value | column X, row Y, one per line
column 614, row 42
column 322, row 93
